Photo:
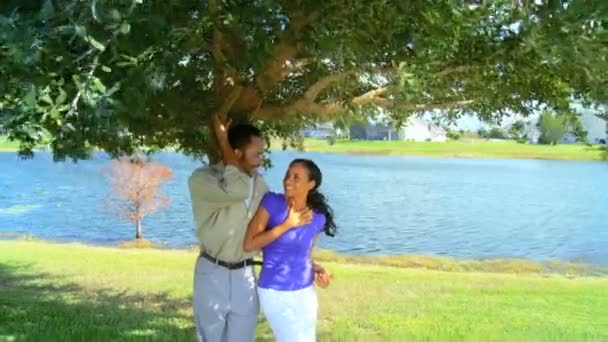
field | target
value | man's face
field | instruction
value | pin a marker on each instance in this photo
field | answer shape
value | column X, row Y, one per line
column 251, row 155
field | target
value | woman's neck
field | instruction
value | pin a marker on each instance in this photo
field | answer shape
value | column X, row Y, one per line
column 297, row 203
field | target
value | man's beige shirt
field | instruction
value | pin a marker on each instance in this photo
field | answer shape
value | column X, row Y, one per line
column 224, row 199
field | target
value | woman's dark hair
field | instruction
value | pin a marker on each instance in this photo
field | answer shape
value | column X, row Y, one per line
column 316, row 200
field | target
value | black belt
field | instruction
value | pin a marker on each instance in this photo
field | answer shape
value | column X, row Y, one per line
column 230, row 265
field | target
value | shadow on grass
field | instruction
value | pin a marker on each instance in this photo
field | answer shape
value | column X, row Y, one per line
column 37, row 306
column 44, row 307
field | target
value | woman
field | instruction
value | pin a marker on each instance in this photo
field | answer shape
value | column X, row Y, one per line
column 285, row 227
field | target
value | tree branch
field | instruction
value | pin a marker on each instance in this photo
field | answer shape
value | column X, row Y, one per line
column 305, row 106
column 324, row 82
column 286, row 50
column 432, row 106
column 224, row 109
column 308, row 104
column 222, row 67
column 373, row 97
column 454, row 70
column 291, row 67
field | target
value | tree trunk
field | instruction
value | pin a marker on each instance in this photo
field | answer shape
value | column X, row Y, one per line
column 214, row 153
column 138, row 234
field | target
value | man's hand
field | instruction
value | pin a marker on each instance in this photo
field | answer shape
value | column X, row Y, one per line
column 221, row 127
column 322, row 277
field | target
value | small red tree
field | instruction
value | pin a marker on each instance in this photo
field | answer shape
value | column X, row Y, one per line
column 135, row 186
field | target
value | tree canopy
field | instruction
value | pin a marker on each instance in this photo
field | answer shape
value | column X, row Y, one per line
column 124, row 74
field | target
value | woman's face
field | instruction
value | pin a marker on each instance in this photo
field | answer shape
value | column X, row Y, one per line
column 297, row 181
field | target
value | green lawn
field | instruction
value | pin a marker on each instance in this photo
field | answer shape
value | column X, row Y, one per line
column 8, row 146
column 58, row 292
column 468, row 148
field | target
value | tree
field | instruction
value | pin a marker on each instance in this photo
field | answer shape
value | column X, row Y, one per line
column 123, row 74
column 135, row 186
column 517, row 129
column 603, row 114
column 452, row 134
column 575, row 126
column 344, row 123
column 552, row 128
column 492, row 133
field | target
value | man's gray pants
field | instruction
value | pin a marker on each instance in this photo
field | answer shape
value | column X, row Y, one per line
column 225, row 303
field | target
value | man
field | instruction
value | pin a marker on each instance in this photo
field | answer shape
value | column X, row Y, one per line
column 224, row 197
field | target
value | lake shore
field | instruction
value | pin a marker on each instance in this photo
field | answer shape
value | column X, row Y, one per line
column 67, row 291
column 413, row 261
column 465, row 148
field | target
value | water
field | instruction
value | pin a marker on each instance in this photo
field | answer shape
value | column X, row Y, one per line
column 463, row 208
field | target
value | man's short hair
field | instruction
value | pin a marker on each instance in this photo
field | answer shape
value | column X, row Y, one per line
column 240, row 135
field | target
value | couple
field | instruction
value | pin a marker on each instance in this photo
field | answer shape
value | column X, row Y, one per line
column 236, row 217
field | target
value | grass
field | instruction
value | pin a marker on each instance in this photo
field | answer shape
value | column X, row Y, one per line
column 8, row 146
column 61, row 292
column 466, row 148
column 446, row 264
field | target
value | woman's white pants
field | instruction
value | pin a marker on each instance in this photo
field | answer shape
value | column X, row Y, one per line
column 292, row 315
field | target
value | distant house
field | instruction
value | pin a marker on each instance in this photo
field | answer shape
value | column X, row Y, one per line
column 418, row 129
column 371, row 131
column 320, row 131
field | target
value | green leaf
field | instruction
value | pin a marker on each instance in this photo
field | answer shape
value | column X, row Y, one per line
column 105, row 69
column 47, row 99
column 81, row 31
column 97, row 85
column 114, row 89
column 54, row 114
column 61, row 97
column 69, row 127
column 96, row 44
column 115, row 15
column 125, row 28
column 47, row 11
column 30, row 97
column 63, row 108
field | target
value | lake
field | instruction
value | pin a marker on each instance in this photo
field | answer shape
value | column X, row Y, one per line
column 463, row 208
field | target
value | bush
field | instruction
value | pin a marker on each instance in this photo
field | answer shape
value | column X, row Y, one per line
column 493, row 133
column 453, row 135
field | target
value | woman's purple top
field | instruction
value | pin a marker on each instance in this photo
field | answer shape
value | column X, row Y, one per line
column 287, row 265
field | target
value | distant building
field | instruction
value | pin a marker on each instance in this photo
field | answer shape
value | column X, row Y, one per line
column 418, row 129
column 372, row 131
column 320, row 131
